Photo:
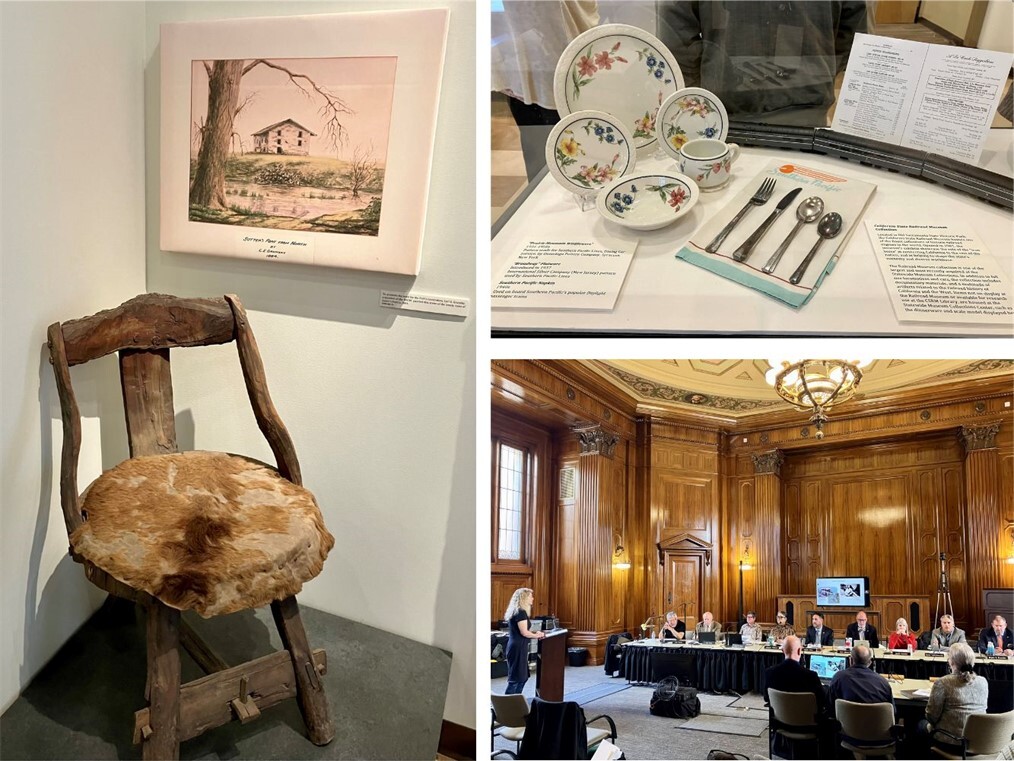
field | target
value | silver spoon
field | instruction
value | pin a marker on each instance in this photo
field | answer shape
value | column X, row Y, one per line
column 828, row 227
column 806, row 212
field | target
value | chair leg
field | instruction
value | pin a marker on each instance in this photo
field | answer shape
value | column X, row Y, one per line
column 309, row 688
column 163, row 741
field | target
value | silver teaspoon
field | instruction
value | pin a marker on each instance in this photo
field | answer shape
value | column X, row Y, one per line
column 806, row 212
column 828, row 227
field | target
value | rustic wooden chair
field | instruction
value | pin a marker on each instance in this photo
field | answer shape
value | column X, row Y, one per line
column 208, row 531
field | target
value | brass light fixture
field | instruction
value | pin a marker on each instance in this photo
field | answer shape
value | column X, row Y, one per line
column 816, row 385
column 619, row 561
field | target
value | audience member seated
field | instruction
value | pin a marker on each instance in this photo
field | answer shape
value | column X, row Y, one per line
column 946, row 635
column 781, row 629
column 859, row 682
column 901, row 638
column 673, row 628
column 818, row 634
column 999, row 635
column 954, row 698
column 792, row 676
column 708, row 624
column 862, row 629
column 751, row 631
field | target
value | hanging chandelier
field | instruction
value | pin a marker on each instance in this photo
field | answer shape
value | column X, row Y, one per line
column 816, row 385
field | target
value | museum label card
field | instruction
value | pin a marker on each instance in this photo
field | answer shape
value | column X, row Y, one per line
column 941, row 273
column 419, row 302
column 547, row 274
column 277, row 245
column 936, row 98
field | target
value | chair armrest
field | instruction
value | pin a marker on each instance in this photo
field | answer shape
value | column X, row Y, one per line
column 957, row 740
column 898, row 732
column 612, row 724
column 496, row 753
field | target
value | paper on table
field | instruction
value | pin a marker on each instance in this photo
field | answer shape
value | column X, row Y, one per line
column 937, row 98
column 941, row 273
column 573, row 274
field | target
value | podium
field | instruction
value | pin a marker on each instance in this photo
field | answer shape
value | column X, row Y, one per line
column 552, row 655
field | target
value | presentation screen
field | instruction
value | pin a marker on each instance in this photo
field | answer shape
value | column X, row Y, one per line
column 827, row 666
column 849, row 591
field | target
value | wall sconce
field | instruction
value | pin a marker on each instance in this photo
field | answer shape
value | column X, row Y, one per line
column 618, row 558
column 744, row 565
column 1010, row 544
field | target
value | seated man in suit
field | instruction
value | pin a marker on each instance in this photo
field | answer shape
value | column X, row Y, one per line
column 708, row 624
column 818, row 634
column 859, row 682
column 673, row 628
column 861, row 629
column 999, row 635
column 946, row 635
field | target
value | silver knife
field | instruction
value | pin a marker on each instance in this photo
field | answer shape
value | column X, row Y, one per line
column 741, row 253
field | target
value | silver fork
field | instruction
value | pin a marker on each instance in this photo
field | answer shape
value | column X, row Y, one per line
column 757, row 199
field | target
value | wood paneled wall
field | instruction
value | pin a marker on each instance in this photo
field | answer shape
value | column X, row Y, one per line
column 894, row 483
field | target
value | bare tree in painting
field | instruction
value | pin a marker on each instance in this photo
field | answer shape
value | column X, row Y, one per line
column 362, row 169
column 224, row 77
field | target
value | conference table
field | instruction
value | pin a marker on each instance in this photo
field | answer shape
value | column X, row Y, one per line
column 717, row 668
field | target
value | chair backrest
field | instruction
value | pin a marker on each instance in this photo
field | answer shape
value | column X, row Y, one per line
column 794, row 709
column 143, row 330
column 509, row 710
column 987, row 734
column 865, row 721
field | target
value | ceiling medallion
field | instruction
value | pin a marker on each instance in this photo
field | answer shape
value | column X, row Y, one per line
column 815, row 385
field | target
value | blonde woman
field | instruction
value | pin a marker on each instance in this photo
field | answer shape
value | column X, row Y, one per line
column 518, row 613
column 954, row 698
column 901, row 638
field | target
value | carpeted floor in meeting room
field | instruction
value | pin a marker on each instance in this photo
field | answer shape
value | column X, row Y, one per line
column 728, row 722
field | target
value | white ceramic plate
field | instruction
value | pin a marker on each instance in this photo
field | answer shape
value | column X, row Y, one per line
column 588, row 149
column 621, row 70
column 648, row 200
column 689, row 114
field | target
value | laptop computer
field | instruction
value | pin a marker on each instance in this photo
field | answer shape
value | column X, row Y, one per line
column 733, row 640
column 706, row 638
column 826, row 666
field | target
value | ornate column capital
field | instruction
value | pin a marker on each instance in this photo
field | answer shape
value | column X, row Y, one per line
column 596, row 440
column 769, row 462
column 979, row 436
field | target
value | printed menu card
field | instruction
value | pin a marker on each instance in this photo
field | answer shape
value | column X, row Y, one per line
column 936, row 98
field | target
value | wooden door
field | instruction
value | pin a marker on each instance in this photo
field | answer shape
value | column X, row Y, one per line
column 896, row 11
column 682, row 586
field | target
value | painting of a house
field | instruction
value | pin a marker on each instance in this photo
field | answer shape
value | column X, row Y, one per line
column 287, row 137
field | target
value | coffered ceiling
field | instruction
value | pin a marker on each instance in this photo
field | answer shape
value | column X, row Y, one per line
column 736, row 387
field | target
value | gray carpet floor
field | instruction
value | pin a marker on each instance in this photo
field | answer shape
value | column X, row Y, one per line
column 386, row 693
column 643, row 736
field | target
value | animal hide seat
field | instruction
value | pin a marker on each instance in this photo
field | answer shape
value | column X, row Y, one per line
column 207, row 531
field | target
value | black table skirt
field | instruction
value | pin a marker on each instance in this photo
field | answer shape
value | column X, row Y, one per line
column 743, row 671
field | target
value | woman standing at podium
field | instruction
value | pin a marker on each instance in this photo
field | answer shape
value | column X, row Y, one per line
column 517, row 616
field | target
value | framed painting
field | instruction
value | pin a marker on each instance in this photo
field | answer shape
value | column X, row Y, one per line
column 302, row 139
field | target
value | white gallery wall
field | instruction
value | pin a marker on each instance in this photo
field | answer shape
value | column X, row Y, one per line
column 380, row 404
column 72, row 239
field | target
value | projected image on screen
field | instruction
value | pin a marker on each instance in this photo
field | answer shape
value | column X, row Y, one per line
column 850, row 591
column 827, row 666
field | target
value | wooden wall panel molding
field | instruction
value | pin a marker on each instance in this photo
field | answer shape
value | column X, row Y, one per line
column 684, row 503
column 554, row 388
column 987, row 534
column 683, row 457
column 884, row 612
column 665, row 429
column 502, row 587
column 945, row 412
column 767, row 554
column 903, row 453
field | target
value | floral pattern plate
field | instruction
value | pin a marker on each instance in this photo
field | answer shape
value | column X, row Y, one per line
column 643, row 201
column 689, row 114
column 587, row 149
column 621, row 70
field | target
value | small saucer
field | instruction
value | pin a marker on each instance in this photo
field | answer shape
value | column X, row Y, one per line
column 647, row 201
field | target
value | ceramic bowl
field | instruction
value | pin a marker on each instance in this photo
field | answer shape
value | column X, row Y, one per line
column 647, row 201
